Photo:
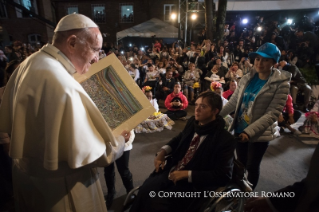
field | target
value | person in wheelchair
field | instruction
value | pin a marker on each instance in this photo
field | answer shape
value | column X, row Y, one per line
column 201, row 159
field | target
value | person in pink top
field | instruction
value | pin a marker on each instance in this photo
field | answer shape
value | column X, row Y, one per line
column 289, row 116
column 176, row 103
column 232, row 87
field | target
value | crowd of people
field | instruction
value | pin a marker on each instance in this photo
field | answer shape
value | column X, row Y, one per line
column 248, row 76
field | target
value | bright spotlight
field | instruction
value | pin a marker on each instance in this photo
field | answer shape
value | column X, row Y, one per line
column 245, row 21
column 131, row 58
column 122, row 52
column 289, row 21
column 142, row 48
column 130, row 44
column 259, row 29
column 194, row 16
column 173, row 16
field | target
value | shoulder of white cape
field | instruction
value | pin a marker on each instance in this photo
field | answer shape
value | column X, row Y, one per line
column 52, row 75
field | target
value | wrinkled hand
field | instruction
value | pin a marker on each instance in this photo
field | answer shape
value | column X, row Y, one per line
column 126, row 135
column 257, row 204
column 159, row 161
column 244, row 137
column 178, row 175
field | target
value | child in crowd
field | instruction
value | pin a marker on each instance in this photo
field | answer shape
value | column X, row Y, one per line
column 191, row 76
column 156, row 122
column 217, row 88
column 161, row 69
column 122, row 165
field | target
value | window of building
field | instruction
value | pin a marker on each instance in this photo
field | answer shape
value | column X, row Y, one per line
column 3, row 11
column 72, row 9
column 29, row 5
column 98, row 13
column 168, row 10
column 126, row 13
column 34, row 39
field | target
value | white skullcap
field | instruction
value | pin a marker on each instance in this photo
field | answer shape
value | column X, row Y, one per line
column 74, row 21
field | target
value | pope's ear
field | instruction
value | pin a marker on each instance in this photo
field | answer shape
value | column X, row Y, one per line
column 70, row 43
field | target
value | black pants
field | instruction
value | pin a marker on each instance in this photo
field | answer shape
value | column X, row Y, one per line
column 174, row 115
column 250, row 155
column 6, row 189
column 159, row 185
column 296, row 117
column 122, row 166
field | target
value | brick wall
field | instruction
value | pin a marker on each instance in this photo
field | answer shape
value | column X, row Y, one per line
column 20, row 28
column 143, row 11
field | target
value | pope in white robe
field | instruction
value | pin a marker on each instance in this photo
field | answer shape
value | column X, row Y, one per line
column 58, row 136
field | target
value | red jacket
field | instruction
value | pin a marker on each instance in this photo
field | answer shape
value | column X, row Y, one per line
column 289, row 106
column 227, row 93
column 170, row 97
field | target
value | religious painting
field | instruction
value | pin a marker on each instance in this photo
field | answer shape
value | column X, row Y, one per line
column 119, row 99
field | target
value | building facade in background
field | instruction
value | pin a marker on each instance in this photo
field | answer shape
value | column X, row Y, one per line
column 111, row 16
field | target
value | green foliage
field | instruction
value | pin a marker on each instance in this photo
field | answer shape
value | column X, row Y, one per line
column 310, row 75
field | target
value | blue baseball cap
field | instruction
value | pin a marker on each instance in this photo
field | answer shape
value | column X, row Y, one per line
column 267, row 50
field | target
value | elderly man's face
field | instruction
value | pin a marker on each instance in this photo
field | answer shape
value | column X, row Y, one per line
column 88, row 53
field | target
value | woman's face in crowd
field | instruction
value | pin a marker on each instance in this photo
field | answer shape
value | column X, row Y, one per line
column 263, row 65
column 192, row 67
column 232, row 86
column 221, row 48
column 234, row 67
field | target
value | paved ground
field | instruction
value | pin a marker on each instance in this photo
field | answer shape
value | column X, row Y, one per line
column 286, row 160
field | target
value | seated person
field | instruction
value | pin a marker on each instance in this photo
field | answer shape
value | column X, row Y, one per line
column 156, row 122
column 234, row 73
column 190, row 77
column 215, row 76
column 289, row 116
column 232, row 87
column 161, row 69
column 151, row 78
column 147, row 90
column 245, row 65
column 216, row 87
column 298, row 82
column 165, row 85
column 134, row 72
column 201, row 159
column 176, row 103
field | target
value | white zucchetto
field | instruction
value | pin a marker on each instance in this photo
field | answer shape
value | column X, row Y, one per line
column 74, row 21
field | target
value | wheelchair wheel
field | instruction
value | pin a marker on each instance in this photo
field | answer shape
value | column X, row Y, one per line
column 228, row 202
column 129, row 200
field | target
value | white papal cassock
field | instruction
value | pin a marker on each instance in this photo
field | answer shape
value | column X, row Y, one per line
column 58, row 136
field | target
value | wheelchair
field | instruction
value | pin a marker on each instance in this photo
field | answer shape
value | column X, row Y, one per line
column 230, row 200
